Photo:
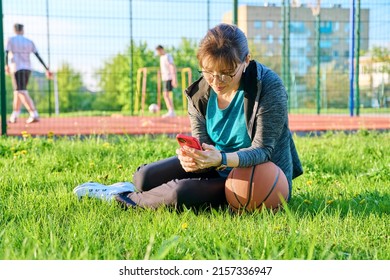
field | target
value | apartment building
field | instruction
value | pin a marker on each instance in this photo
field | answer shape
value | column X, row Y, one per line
column 264, row 28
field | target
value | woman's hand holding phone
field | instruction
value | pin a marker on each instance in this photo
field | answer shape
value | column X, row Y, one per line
column 193, row 157
column 185, row 140
column 187, row 143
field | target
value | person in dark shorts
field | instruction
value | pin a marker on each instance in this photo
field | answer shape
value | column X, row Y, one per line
column 237, row 110
column 168, row 77
column 18, row 50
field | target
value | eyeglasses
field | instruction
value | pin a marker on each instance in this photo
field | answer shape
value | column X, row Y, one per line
column 223, row 78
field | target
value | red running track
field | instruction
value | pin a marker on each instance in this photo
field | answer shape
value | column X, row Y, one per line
column 157, row 125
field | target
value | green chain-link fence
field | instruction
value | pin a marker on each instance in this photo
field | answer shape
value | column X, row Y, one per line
column 96, row 48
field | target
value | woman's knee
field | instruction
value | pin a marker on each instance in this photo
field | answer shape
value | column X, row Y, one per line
column 154, row 174
column 140, row 177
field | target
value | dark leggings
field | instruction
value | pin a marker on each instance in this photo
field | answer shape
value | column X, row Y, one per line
column 166, row 183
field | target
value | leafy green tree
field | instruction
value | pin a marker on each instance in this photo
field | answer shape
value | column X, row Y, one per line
column 71, row 93
column 259, row 52
column 185, row 57
column 381, row 55
column 115, row 75
column 38, row 88
column 115, row 78
column 334, row 87
column 9, row 94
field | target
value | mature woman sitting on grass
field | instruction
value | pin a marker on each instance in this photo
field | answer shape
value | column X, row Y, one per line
column 238, row 111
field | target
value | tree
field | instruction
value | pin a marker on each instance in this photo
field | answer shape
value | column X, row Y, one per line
column 38, row 89
column 381, row 54
column 185, row 57
column 381, row 57
column 334, row 89
column 259, row 52
column 114, row 76
column 114, row 73
column 9, row 92
column 72, row 94
column 379, row 71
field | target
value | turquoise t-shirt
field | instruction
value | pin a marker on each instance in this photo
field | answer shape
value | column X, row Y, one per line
column 227, row 127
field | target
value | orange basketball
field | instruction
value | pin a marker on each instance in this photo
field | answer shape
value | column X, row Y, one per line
column 251, row 188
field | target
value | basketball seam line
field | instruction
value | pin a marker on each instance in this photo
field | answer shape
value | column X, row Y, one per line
column 272, row 188
column 249, row 191
column 250, row 187
column 235, row 193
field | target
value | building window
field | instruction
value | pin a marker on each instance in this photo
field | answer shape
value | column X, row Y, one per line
column 346, row 27
column 325, row 55
column 269, row 24
column 257, row 24
column 336, row 26
column 297, row 27
column 257, row 39
column 326, row 27
column 270, row 39
column 326, row 44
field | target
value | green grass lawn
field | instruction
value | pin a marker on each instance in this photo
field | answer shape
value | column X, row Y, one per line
column 340, row 208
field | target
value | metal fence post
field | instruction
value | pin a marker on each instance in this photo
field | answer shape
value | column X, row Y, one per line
column 284, row 41
column 48, row 52
column 131, row 58
column 318, row 59
column 351, row 56
column 357, row 57
column 286, row 73
column 316, row 11
column 2, row 78
column 288, row 70
column 235, row 11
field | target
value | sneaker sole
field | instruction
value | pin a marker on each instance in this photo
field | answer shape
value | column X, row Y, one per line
column 125, row 201
column 32, row 121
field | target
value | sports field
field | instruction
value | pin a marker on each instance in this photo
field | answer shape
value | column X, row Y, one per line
column 340, row 207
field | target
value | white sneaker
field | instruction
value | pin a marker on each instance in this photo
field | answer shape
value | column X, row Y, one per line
column 96, row 190
column 12, row 119
column 32, row 119
column 170, row 114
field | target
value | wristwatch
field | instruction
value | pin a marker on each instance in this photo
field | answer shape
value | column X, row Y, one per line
column 223, row 162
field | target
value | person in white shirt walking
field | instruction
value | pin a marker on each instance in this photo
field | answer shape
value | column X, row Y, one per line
column 168, row 77
column 19, row 49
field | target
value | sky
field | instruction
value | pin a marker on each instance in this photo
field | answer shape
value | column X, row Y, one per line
column 85, row 33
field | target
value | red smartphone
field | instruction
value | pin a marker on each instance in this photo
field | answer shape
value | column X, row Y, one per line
column 185, row 140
